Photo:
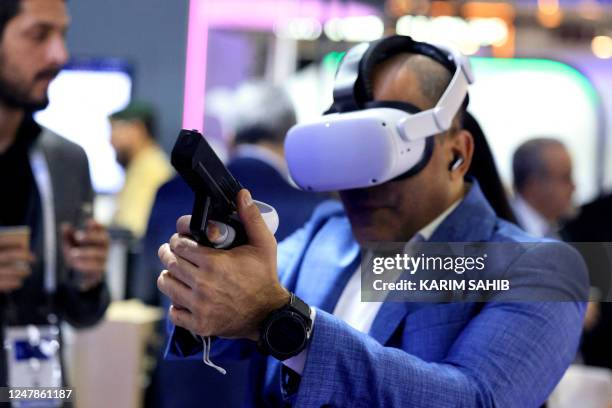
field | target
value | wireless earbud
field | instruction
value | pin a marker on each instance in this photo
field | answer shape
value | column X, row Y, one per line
column 454, row 165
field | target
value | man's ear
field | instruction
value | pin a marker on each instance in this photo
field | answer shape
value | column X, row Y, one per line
column 141, row 130
column 462, row 148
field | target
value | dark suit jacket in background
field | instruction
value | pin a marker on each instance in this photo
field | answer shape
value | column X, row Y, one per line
column 71, row 186
column 266, row 184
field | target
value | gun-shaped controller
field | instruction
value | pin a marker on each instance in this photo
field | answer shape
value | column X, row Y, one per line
column 215, row 192
column 215, row 199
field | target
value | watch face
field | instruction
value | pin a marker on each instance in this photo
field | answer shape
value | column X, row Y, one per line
column 287, row 334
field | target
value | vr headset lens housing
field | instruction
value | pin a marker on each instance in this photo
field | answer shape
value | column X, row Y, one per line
column 350, row 150
column 365, row 144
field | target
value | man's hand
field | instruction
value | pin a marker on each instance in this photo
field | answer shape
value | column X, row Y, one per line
column 85, row 252
column 225, row 293
column 591, row 316
column 15, row 266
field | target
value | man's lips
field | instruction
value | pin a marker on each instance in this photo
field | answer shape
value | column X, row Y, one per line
column 48, row 75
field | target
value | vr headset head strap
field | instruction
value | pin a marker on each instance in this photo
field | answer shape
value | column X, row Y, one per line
column 354, row 87
column 348, row 94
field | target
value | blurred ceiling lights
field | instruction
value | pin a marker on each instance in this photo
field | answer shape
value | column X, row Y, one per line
column 351, row 29
column 468, row 35
column 549, row 13
column 355, row 29
column 602, row 46
column 307, row 29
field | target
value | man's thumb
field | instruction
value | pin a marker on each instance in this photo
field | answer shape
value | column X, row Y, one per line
column 254, row 225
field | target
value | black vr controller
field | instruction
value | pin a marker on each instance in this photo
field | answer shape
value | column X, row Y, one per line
column 214, row 187
column 215, row 191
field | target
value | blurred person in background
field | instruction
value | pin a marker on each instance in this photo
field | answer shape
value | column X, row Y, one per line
column 146, row 165
column 542, row 170
column 594, row 224
column 45, row 187
column 264, row 114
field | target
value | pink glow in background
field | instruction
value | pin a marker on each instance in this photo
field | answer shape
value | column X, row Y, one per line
column 259, row 15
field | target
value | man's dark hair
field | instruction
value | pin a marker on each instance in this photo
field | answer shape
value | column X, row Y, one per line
column 433, row 79
column 8, row 10
column 141, row 112
column 527, row 161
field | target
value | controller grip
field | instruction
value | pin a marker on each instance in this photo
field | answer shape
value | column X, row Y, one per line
column 233, row 233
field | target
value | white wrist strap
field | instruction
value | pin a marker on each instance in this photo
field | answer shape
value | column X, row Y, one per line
column 206, row 346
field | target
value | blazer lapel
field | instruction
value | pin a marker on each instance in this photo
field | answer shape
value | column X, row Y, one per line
column 472, row 221
column 330, row 260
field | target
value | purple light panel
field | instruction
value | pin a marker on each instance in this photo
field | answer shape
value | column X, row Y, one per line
column 260, row 15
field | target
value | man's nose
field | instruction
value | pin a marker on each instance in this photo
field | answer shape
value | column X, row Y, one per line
column 58, row 51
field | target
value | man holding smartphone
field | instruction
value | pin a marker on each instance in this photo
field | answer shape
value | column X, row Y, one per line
column 57, row 272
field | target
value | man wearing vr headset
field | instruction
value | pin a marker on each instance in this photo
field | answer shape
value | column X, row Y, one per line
column 394, row 146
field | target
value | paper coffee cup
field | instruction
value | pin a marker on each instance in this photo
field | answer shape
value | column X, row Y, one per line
column 15, row 237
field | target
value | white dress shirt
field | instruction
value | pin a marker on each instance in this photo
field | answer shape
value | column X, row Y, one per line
column 531, row 220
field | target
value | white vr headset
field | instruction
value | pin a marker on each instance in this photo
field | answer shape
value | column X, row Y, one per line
column 362, row 143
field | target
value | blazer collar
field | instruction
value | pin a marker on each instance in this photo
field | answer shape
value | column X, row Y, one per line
column 473, row 220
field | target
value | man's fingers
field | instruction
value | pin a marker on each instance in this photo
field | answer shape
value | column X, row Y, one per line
column 94, row 234
column 182, row 225
column 15, row 255
column 182, row 318
column 180, row 268
column 92, row 237
column 88, row 253
column 9, row 245
column 67, row 230
column 253, row 222
column 92, row 224
column 213, row 230
column 189, row 250
column 89, row 268
column 87, row 260
column 176, row 290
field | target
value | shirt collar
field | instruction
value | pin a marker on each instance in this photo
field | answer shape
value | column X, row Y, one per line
column 427, row 231
column 250, row 151
column 530, row 220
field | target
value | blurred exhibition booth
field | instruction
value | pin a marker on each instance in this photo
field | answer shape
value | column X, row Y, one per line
column 543, row 68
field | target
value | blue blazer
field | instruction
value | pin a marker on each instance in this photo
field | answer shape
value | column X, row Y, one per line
column 497, row 354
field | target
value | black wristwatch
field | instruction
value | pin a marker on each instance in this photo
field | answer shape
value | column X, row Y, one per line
column 285, row 332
